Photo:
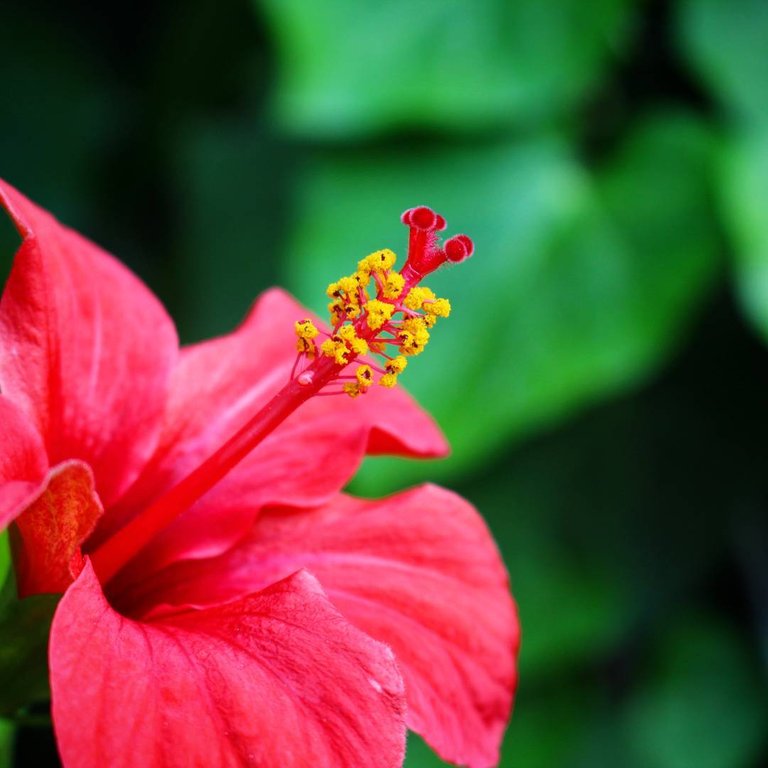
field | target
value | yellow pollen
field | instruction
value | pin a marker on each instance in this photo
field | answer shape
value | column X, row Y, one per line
column 417, row 296
column 393, row 285
column 343, row 307
column 359, row 312
column 396, row 364
column 408, row 343
column 336, row 312
column 306, row 346
column 305, row 329
column 353, row 388
column 438, row 307
column 335, row 349
column 378, row 261
column 364, row 376
column 413, row 336
column 349, row 285
column 378, row 313
column 356, row 344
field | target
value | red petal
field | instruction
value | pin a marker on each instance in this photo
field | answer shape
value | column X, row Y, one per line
column 23, row 463
column 48, row 534
column 217, row 386
column 418, row 571
column 274, row 679
column 85, row 348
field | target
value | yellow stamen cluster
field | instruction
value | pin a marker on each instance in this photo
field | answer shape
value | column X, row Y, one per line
column 357, row 345
column 343, row 345
column 345, row 299
column 378, row 313
column 364, row 376
column 335, row 348
column 394, row 368
column 363, row 380
column 377, row 262
column 305, row 329
column 306, row 333
column 417, row 296
column 358, row 318
column 438, row 307
column 413, row 336
column 420, row 298
column 393, row 285
column 352, row 388
column 396, row 365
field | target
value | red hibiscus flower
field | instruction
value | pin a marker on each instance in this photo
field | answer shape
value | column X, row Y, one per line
column 224, row 604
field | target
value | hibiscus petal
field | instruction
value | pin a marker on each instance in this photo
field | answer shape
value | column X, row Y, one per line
column 85, row 349
column 273, row 679
column 48, row 535
column 418, row 571
column 23, row 463
column 220, row 384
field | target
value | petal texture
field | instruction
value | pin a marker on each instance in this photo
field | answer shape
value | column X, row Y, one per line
column 217, row 387
column 274, row 679
column 85, row 349
column 47, row 537
column 418, row 571
column 23, row 463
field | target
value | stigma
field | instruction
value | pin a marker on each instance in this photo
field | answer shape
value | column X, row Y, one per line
column 380, row 312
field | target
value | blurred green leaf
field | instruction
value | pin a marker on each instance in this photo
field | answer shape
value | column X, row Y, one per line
column 5, row 556
column 228, row 183
column 704, row 703
column 743, row 194
column 547, row 725
column 6, row 743
column 24, row 628
column 419, row 755
column 574, row 607
column 350, row 67
column 727, row 43
column 546, row 728
column 602, row 743
column 577, row 288
column 58, row 116
column 606, row 524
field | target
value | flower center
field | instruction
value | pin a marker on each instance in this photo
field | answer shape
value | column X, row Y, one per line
column 376, row 311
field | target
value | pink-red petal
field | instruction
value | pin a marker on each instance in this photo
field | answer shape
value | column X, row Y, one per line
column 23, row 463
column 418, row 571
column 217, row 386
column 85, row 349
column 47, row 536
column 277, row 678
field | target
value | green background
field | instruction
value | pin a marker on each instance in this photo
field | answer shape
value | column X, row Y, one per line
column 604, row 376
